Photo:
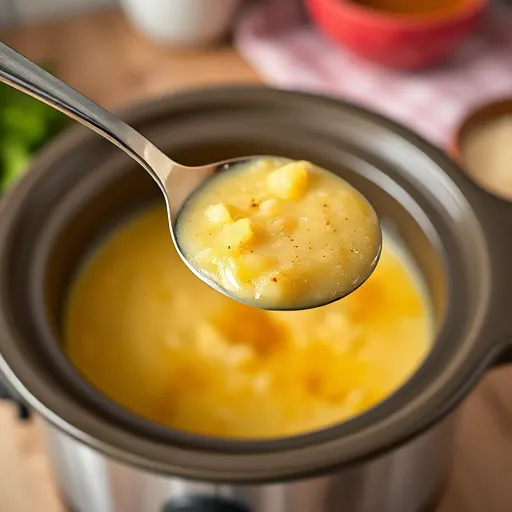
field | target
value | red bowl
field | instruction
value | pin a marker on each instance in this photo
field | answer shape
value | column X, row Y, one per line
column 395, row 40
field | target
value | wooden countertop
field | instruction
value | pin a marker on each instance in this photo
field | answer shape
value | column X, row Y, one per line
column 100, row 55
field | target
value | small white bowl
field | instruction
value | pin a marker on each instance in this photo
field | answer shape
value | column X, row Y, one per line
column 187, row 23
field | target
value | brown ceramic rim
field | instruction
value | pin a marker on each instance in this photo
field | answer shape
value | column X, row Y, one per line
column 431, row 393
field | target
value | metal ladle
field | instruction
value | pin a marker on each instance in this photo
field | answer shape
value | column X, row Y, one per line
column 176, row 181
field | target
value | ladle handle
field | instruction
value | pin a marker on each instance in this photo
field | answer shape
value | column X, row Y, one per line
column 21, row 73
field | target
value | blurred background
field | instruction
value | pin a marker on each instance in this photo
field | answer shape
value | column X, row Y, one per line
column 428, row 71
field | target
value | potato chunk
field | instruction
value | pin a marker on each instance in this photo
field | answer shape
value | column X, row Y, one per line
column 289, row 181
column 270, row 207
column 274, row 287
column 236, row 234
column 218, row 214
column 247, row 267
column 205, row 259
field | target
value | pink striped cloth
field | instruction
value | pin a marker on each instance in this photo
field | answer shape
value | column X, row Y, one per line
column 275, row 38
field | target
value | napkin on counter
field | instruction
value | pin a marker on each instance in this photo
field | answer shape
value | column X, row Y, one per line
column 277, row 40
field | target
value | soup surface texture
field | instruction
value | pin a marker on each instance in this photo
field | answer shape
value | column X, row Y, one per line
column 163, row 344
column 281, row 234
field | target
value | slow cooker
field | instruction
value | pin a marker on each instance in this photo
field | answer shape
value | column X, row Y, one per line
column 392, row 458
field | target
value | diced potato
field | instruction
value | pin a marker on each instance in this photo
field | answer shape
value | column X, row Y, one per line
column 204, row 259
column 211, row 343
column 273, row 288
column 239, row 355
column 250, row 266
column 218, row 214
column 289, row 181
column 270, row 207
column 236, row 234
column 228, row 278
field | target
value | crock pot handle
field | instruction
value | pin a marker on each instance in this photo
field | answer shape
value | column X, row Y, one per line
column 6, row 394
column 498, row 219
column 504, row 358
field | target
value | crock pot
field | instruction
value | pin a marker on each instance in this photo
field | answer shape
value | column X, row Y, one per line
column 394, row 457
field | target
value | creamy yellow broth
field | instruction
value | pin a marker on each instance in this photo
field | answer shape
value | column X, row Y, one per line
column 283, row 234
column 166, row 346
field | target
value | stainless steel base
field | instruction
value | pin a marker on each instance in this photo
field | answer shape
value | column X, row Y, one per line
column 404, row 480
column 431, row 506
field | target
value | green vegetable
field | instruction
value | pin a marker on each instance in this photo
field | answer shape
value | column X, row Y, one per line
column 14, row 158
column 26, row 125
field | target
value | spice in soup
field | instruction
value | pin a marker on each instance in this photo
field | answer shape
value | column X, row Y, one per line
column 281, row 234
column 155, row 339
column 487, row 155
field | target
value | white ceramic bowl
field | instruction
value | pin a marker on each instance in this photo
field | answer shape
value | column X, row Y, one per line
column 187, row 23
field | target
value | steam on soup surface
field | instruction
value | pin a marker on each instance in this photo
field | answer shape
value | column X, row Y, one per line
column 154, row 338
